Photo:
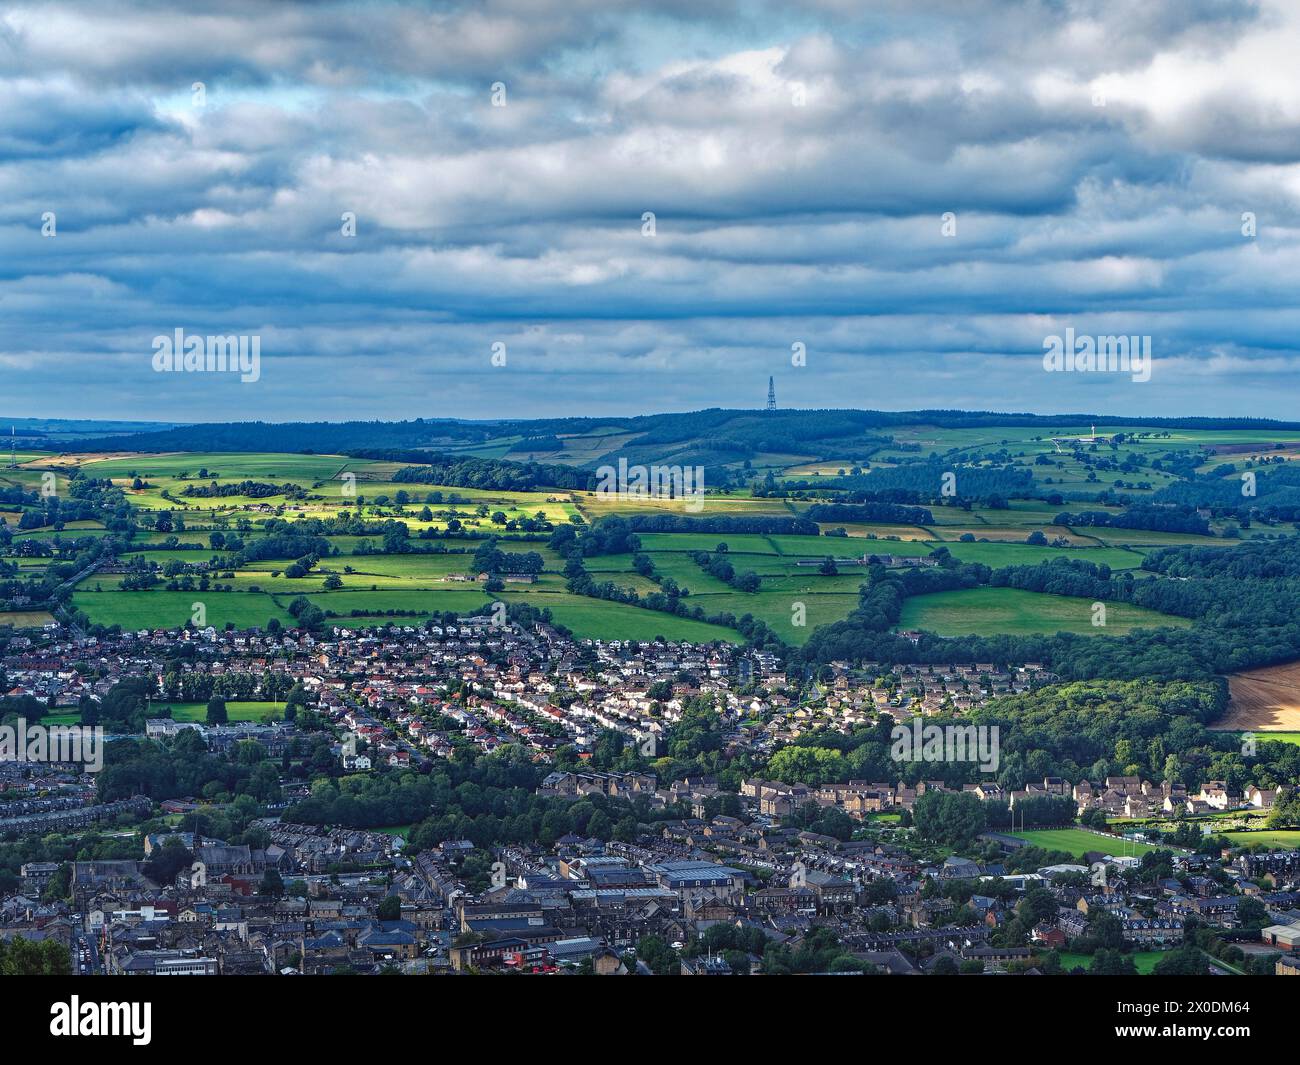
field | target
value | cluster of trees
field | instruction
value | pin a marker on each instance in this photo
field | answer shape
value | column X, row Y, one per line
column 694, row 746
column 825, row 821
column 1154, row 519
column 1274, row 486
column 1273, row 561
column 286, row 543
column 1135, row 728
column 124, row 707
column 185, row 767
column 818, row 952
column 487, row 799
column 25, row 957
column 955, row 819
column 610, row 536
column 252, row 489
column 164, row 521
column 750, row 432
column 491, row 559
column 345, row 523
column 1090, row 729
column 1246, row 613
column 546, row 442
column 498, row 474
column 303, row 437
column 719, row 566
column 1038, row 812
column 165, row 862
column 763, row 525
column 836, row 431
column 220, row 540
column 81, row 498
column 880, row 511
column 927, row 480
column 670, row 599
column 307, row 613
column 301, row 567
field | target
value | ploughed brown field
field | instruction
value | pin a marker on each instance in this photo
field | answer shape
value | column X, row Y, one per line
column 1265, row 699
column 76, row 458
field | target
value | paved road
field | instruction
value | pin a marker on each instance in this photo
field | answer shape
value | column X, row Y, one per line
column 85, row 955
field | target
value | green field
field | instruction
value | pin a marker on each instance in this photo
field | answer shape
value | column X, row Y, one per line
column 1285, row 838
column 778, row 609
column 1067, row 466
column 226, row 466
column 1011, row 610
column 599, row 619
column 248, row 711
column 1079, row 842
column 1004, row 554
column 737, row 543
column 1143, row 960
column 160, row 609
column 455, row 598
column 1279, row 737
column 252, row 710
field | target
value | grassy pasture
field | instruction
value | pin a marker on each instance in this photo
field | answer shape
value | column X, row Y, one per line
column 1284, row 838
column 601, row 619
column 455, row 598
column 1011, row 610
column 778, row 609
column 1278, row 737
column 995, row 555
column 737, row 543
column 227, row 466
column 1143, row 538
column 162, row 609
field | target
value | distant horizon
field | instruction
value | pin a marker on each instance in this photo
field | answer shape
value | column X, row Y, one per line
column 560, row 211
column 1067, row 418
column 1172, row 403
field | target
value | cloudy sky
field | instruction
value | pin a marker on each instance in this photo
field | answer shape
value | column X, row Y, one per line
column 1095, row 162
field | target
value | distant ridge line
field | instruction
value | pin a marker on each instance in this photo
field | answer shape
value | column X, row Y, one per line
column 812, row 425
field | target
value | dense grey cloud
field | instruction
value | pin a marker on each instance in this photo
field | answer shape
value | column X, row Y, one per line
column 1117, row 169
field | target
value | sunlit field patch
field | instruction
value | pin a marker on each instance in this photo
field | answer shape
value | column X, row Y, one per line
column 1012, row 610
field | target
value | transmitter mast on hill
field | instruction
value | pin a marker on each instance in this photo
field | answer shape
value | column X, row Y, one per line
column 771, row 395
